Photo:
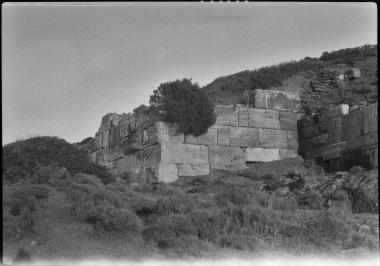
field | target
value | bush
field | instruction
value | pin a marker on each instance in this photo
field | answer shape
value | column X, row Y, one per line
column 186, row 105
column 22, row 158
column 42, row 173
column 81, row 178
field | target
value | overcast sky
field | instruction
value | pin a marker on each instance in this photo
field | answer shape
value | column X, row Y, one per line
column 66, row 65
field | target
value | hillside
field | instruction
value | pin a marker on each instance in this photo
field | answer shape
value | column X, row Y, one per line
column 299, row 76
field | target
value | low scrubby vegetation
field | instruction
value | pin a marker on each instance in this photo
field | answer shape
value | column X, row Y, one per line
column 40, row 156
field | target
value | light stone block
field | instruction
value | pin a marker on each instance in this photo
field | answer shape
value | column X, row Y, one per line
column 226, row 115
column 370, row 118
column 261, row 118
column 183, row 153
column 193, row 169
column 243, row 117
column 272, row 138
column 167, row 172
column 227, row 158
column 262, row 155
column 223, row 133
column 244, row 137
column 276, row 100
column 208, row 138
column 286, row 153
column 168, row 133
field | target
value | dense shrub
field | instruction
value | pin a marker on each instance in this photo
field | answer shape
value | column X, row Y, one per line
column 81, row 178
column 186, row 105
column 42, row 174
column 22, row 157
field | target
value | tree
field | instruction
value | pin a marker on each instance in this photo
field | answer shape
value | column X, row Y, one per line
column 185, row 104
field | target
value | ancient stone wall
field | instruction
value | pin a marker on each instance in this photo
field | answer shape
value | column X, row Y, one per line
column 144, row 150
column 339, row 139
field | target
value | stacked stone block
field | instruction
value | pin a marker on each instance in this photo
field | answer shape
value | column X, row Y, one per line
column 149, row 152
column 339, row 139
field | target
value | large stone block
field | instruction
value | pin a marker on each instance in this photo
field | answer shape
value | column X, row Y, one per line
column 183, row 153
column 262, row 155
column 224, row 133
column 370, row 118
column 363, row 141
column 288, row 120
column 167, row 172
column 337, row 147
column 335, row 129
column 319, row 141
column 167, row 132
column 208, row 138
column 226, row 157
column 243, row 117
column 244, row 137
column 226, row 115
column 292, row 138
column 261, row 118
column 352, row 125
column 286, row 153
column 193, row 169
column 272, row 138
column 276, row 100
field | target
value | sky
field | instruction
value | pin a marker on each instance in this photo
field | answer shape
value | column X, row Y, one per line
column 65, row 65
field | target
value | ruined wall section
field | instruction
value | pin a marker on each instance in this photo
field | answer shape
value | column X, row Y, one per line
column 339, row 139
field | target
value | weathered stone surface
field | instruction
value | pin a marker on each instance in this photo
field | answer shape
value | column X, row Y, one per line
column 168, row 133
column 319, row 141
column 272, row 138
column 336, row 147
column 227, row 158
column 262, row 155
column 292, row 138
column 208, row 138
column 167, row 172
column 370, row 118
column 244, row 137
column 352, row 125
column 261, row 118
column 243, row 120
column 288, row 120
column 190, row 139
column 335, row 129
column 362, row 141
column 193, row 169
column 223, row 133
column 331, row 155
column 277, row 100
column 286, row 153
column 339, row 110
column 184, row 153
column 226, row 115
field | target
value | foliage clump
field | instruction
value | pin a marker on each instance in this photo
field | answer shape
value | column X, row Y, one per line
column 185, row 104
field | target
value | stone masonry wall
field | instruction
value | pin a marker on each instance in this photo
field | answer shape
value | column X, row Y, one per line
column 339, row 139
column 147, row 152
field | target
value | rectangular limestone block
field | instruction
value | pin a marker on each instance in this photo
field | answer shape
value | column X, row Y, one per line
column 183, row 153
column 288, row 120
column 337, row 147
column 208, row 138
column 187, row 169
column 227, row 158
column 261, row 118
column 226, row 115
column 272, row 138
column 276, row 100
column 352, row 125
column 190, row 139
column 292, row 138
column 223, row 133
column 370, row 118
column 262, row 155
column 286, row 153
column 244, row 137
column 335, row 129
column 167, row 172
column 362, row 141
column 319, row 141
column 167, row 132
column 243, row 117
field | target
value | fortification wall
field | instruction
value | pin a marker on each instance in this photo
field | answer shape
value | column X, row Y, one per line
column 144, row 150
column 339, row 139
